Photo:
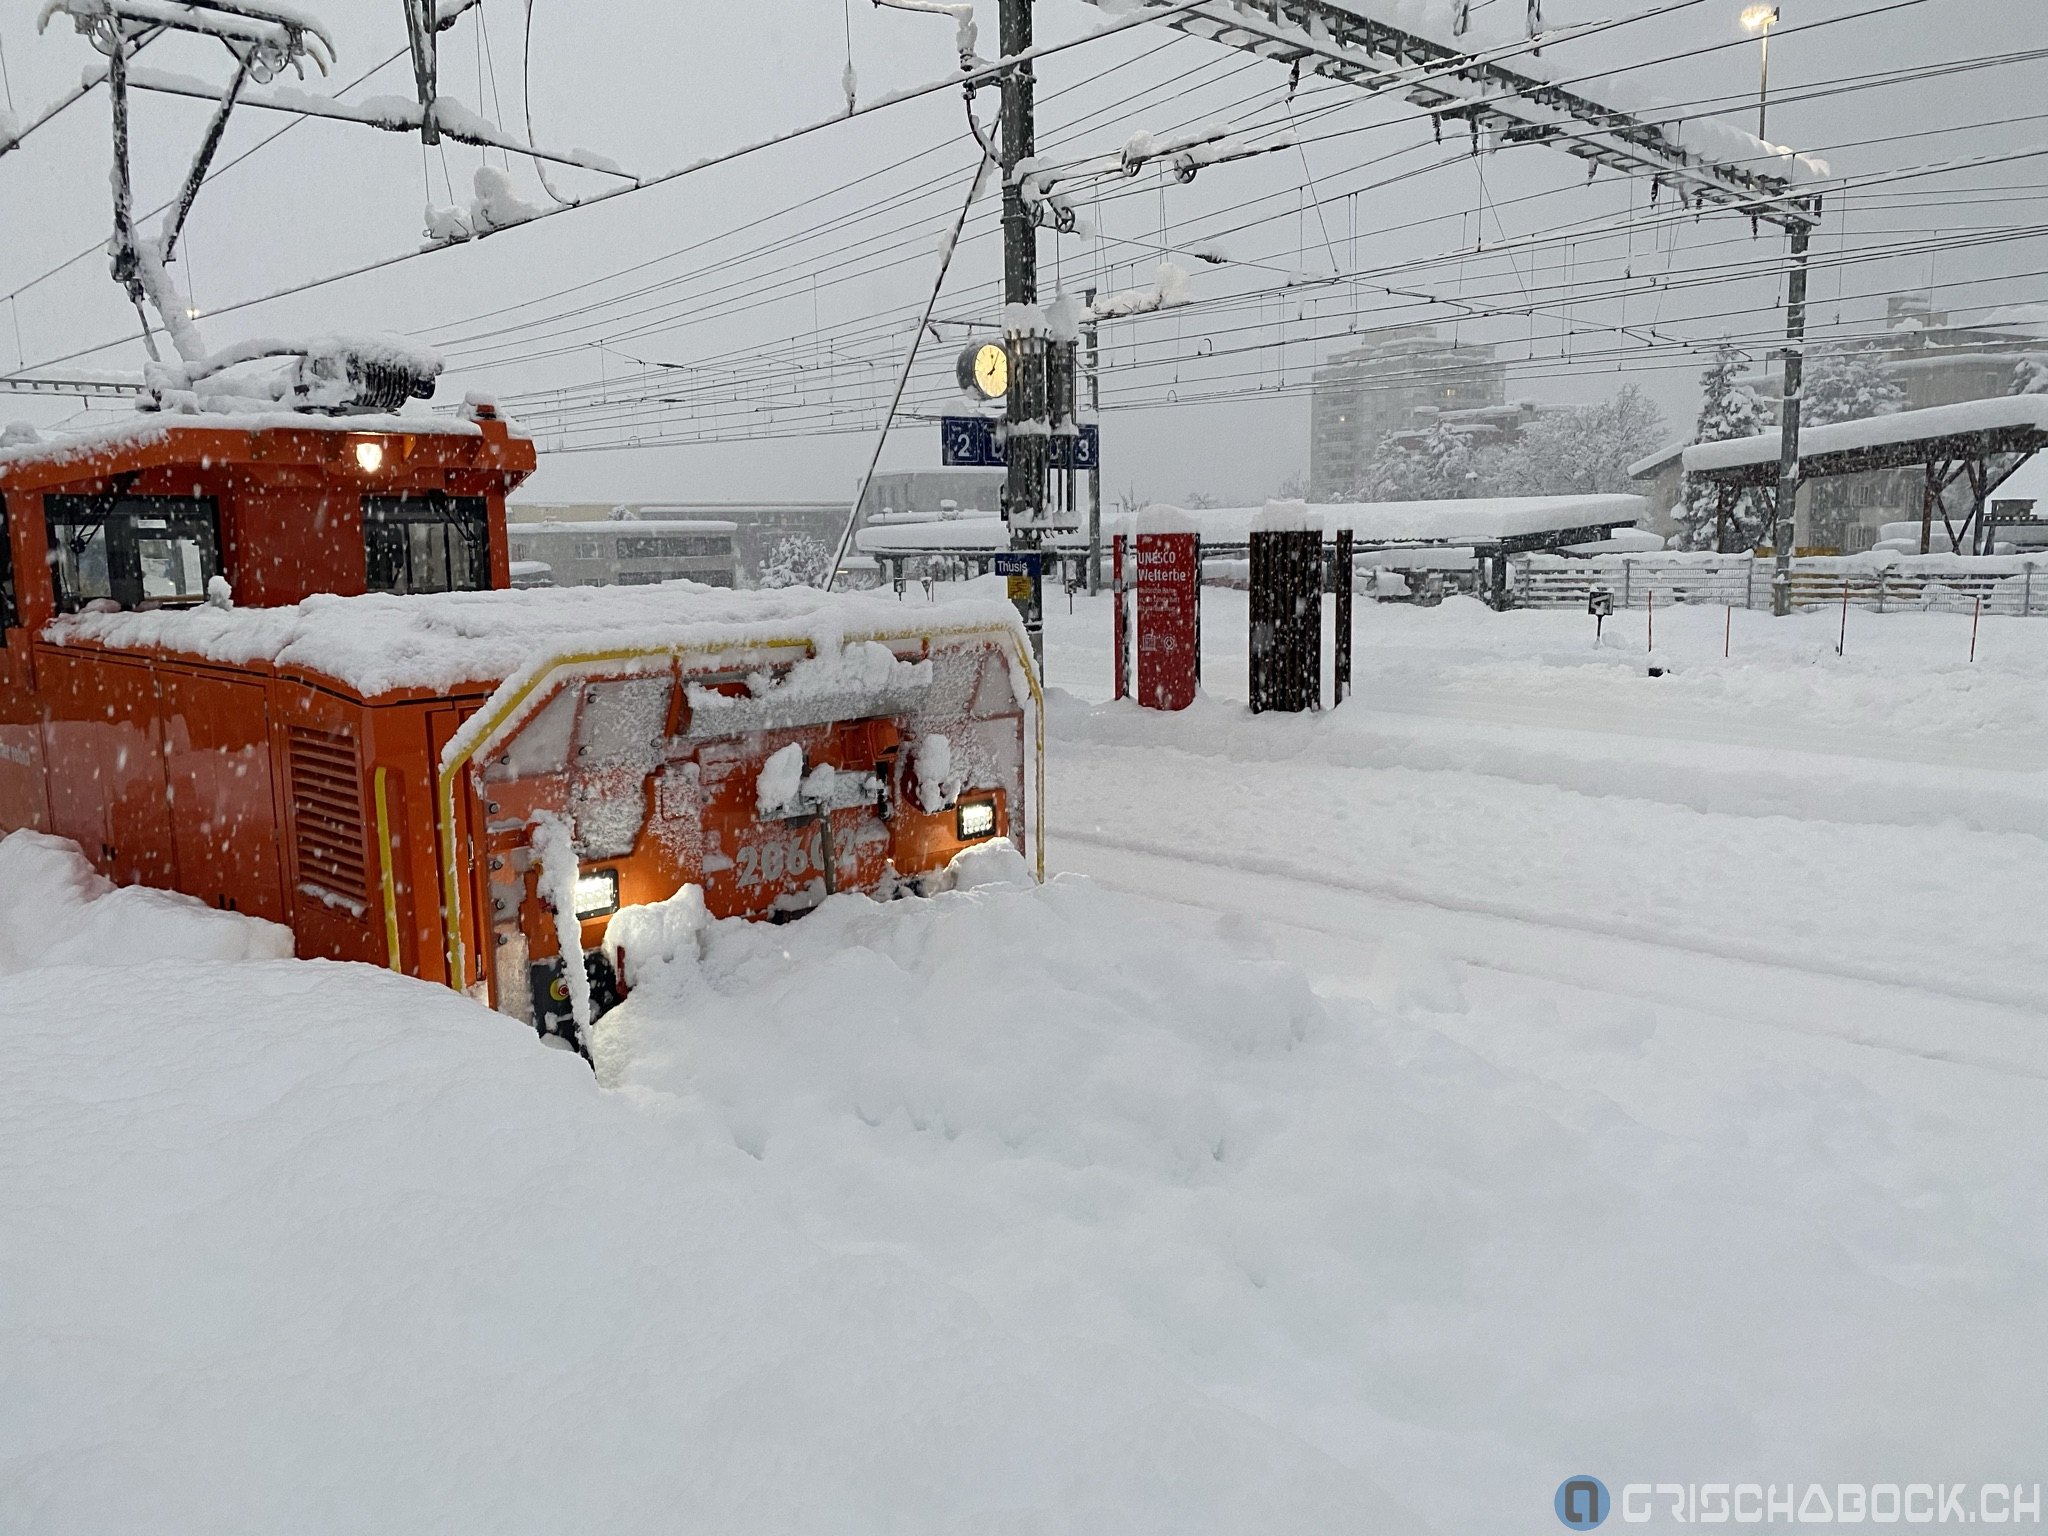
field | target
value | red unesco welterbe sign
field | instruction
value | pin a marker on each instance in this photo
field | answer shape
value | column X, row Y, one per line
column 1167, row 635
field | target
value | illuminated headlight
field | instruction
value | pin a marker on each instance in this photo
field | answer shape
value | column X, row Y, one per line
column 370, row 457
column 597, row 894
column 976, row 819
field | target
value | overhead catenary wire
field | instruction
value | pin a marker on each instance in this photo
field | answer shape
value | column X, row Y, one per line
column 989, row 72
column 1352, row 192
column 1760, row 268
column 981, row 169
column 982, row 76
column 1687, row 343
column 6, row 80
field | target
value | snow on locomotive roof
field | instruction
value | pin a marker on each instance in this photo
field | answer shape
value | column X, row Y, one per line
column 145, row 428
column 381, row 643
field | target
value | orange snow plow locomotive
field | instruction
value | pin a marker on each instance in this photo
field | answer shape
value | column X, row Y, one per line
column 276, row 665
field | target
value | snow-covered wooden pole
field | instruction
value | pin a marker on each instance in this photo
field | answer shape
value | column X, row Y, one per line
column 1025, row 439
column 422, row 30
column 1785, row 535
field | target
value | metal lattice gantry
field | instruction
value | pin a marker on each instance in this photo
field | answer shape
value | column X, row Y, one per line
column 1494, row 103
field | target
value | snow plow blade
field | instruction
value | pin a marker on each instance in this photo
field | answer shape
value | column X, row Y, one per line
column 767, row 771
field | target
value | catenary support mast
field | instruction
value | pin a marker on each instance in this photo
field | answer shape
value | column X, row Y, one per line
column 1785, row 535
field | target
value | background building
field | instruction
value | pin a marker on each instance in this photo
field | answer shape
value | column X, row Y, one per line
column 758, row 527
column 1401, row 381
column 626, row 553
column 927, row 490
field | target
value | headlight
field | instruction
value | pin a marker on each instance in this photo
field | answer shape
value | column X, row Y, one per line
column 597, row 894
column 975, row 819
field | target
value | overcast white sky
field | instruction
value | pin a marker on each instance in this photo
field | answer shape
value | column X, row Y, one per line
column 777, row 291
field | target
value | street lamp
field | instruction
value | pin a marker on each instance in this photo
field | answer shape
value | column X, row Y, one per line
column 1761, row 18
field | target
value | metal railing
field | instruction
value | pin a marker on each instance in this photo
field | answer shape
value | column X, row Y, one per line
column 2006, row 585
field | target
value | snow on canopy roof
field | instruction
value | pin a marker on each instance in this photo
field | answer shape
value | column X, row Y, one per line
column 1650, row 464
column 966, row 534
column 1478, row 519
column 1875, row 431
column 380, row 643
column 146, row 428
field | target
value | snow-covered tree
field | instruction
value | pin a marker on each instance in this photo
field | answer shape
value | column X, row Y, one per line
column 796, row 560
column 1584, row 451
column 1846, row 384
column 1841, row 384
column 1727, row 409
column 1437, row 469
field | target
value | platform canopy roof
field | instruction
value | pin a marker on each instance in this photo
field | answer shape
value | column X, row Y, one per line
column 1971, row 430
column 1504, row 523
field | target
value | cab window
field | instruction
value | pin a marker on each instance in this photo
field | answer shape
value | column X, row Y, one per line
column 430, row 543
column 131, row 552
column 9, row 614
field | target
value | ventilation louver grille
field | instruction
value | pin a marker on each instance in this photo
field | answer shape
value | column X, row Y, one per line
column 327, row 819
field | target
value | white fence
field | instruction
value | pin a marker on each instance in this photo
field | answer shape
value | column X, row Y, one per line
column 2010, row 584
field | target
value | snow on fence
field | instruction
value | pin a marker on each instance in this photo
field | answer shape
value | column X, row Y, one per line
column 2008, row 584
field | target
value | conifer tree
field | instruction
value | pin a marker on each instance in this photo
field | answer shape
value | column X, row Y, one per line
column 1728, row 409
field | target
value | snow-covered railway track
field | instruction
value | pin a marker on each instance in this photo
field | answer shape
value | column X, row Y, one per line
column 1337, row 927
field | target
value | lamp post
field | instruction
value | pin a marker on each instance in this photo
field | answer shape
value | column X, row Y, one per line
column 1761, row 18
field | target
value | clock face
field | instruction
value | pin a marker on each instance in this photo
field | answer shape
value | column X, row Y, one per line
column 985, row 369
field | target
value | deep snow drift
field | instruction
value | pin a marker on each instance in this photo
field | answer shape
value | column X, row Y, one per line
column 1330, row 1212
column 308, row 1247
